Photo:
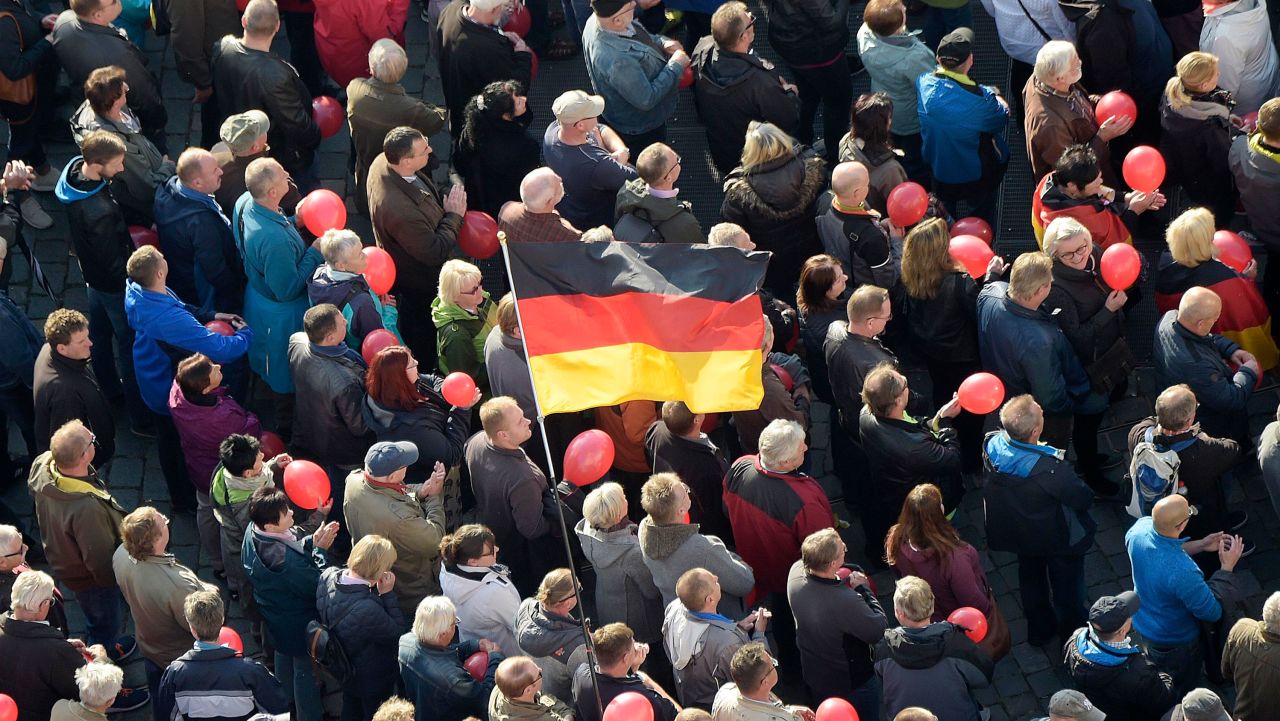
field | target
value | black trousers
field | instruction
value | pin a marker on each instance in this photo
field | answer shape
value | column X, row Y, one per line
column 416, row 328
column 829, row 87
column 182, row 495
column 300, row 27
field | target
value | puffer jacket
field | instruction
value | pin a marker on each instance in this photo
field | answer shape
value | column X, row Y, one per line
column 1196, row 143
column 1035, row 502
column 700, row 646
column 904, row 453
column 776, row 202
column 368, row 626
column 328, row 421
column 670, row 550
column 555, row 643
column 894, row 62
column 487, row 603
column 99, row 233
column 1120, row 680
column 203, row 427
column 1255, row 167
column 350, row 293
column 79, row 525
column 730, row 91
column 936, row 662
column 145, row 168
column 440, row 688
column 205, row 269
column 808, row 32
column 625, row 590
column 672, row 218
column 284, row 577
column 1077, row 301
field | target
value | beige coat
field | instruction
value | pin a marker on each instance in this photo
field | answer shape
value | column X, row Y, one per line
column 156, row 588
column 66, row 710
column 414, row 528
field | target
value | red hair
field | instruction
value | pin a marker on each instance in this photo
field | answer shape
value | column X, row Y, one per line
column 388, row 384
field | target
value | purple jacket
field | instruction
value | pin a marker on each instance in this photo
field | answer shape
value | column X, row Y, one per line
column 203, row 428
column 957, row 581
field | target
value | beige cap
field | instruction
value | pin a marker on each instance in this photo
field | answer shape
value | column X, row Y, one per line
column 577, row 105
column 240, row 132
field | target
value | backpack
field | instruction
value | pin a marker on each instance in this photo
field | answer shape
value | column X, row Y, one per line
column 1154, row 472
column 637, row 227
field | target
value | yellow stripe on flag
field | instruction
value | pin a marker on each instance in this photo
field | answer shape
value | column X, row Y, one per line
column 709, row 382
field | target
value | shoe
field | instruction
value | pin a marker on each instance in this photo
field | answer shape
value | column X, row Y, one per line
column 130, row 699
column 1237, row 519
column 46, row 181
column 122, row 649
column 34, row 215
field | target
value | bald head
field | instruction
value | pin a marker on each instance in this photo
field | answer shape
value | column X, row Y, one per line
column 516, row 678
column 850, row 182
column 1170, row 515
column 199, row 170
column 1199, row 310
column 261, row 19
column 541, row 189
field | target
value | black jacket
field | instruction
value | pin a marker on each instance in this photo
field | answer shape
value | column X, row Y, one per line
column 808, row 32
column 1121, row 681
column 368, row 626
column 701, row 466
column 859, row 243
column 1077, row 301
column 37, row 666
column 1195, row 143
column 328, row 423
column 65, row 389
column 245, row 79
column 849, row 359
column 83, row 47
column 938, row 663
column 205, row 268
column 23, row 51
column 776, row 202
column 1035, row 502
column 472, row 56
column 904, row 454
column 99, row 233
column 944, row 328
column 438, row 430
column 732, row 89
column 495, row 161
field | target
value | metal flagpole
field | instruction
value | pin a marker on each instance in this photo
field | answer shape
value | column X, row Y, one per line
column 551, row 467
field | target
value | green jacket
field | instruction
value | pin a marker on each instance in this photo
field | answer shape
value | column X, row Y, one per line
column 460, row 338
column 543, row 708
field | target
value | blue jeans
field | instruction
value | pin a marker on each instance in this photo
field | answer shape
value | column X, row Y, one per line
column 300, row 686
column 866, row 698
column 101, row 607
column 112, row 353
column 1053, row 595
column 937, row 22
column 1182, row 662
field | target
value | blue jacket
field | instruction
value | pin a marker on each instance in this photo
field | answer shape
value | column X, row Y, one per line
column 954, row 121
column 440, row 688
column 1175, row 596
column 21, row 341
column 1028, row 352
column 204, row 267
column 278, row 265
column 166, row 331
column 1181, row 356
column 368, row 627
column 213, row 682
column 284, row 582
column 350, row 293
column 1035, row 503
column 637, row 82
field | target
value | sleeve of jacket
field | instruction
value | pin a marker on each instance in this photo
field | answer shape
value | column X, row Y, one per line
column 778, row 403
column 287, row 104
column 18, row 64
column 285, row 272
column 425, row 243
column 1155, row 687
column 165, row 697
column 88, row 528
column 967, row 579
column 628, row 79
column 975, row 664
column 209, row 241
column 861, row 619
column 776, row 105
column 268, row 692
column 365, row 317
column 1199, row 599
column 458, row 352
column 446, row 447
column 1045, row 376
column 525, row 498
column 1047, row 139
column 814, row 516
column 1082, row 333
column 609, row 174
column 472, row 696
column 186, row 35
column 348, row 407
column 736, row 577
column 988, row 116
column 196, row 338
column 134, row 186
column 638, row 572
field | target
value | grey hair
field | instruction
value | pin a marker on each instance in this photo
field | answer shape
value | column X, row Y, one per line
column 604, row 505
column 780, row 441
column 337, row 243
column 600, row 233
column 388, row 61
column 30, row 590
column 914, row 598
column 1020, row 417
column 725, row 234
column 1271, row 614
column 260, row 175
column 98, row 683
column 1062, row 229
column 434, row 616
column 537, row 188
column 1054, row 60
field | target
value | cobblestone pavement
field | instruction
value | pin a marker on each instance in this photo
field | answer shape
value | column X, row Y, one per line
column 1023, row 681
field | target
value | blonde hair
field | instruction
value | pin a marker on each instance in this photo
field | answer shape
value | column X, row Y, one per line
column 1031, row 272
column 69, row 442
column 454, row 276
column 434, row 616
column 493, row 413
column 1062, row 229
column 604, row 506
column 1193, row 70
column 926, row 258
column 556, row 587
column 139, row 531
column 394, row 709
column 1190, row 237
column 765, row 142
column 914, row 598
column 659, row 496
column 372, row 556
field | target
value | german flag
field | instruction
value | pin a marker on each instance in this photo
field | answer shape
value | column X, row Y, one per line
column 605, row 323
column 1244, row 319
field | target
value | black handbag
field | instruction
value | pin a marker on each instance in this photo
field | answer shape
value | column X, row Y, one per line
column 1111, row 368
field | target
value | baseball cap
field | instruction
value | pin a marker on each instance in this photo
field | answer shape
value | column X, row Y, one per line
column 1200, row 705
column 240, row 132
column 387, row 457
column 577, row 105
column 1109, row 613
column 1074, row 705
column 955, row 47
column 608, row 8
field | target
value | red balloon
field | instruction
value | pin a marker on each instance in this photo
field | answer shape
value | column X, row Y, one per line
column 1232, row 250
column 974, row 226
column 907, row 204
column 380, row 271
column 479, row 235
column 221, row 327
column 375, row 341
column 972, row 621
column 629, row 706
column 228, row 637
column 306, row 484
column 519, row 23
column 241, row 5
column 1121, row 266
column 686, row 76
column 981, row 393
column 784, row 375
column 143, row 235
column 1115, row 104
column 322, row 210
column 459, row 389
column 8, row 708
column 1143, row 169
column 836, row 709
column 328, row 114
column 588, row 458
column 685, row 518
column 533, row 66
column 270, row 444
column 477, row 664
column 1249, row 121
column 710, row 422
column 972, row 253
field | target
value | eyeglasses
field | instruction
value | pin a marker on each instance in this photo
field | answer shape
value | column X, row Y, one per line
column 22, row 548
column 1077, row 253
column 885, row 318
column 474, row 290
column 751, row 22
column 413, row 365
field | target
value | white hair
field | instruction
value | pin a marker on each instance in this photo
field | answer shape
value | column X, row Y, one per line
column 538, row 187
column 1054, row 60
column 1062, row 229
column 388, row 61
column 603, row 506
column 30, row 590
column 337, row 244
column 99, row 682
column 9, row 534
column 434, row 616
column 454, row 276
column 1271, row 614
column 780, row 441
column 725, row 234
column 486, row 5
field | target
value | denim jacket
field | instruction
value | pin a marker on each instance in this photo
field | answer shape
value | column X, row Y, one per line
column 440, row 688
column 638, row 82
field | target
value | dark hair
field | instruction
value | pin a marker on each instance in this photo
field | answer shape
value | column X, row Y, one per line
column 869, row 122
column 239, row 453
column 677, row 417
column 817, row 276
column 1077, row 165
column 193, row 375
column 387, row 383
column 320, row 320
column 466, row 543
column 104, row 87
column 399, row 143
column 267, row 505
column 101, row 147
column 484, row 112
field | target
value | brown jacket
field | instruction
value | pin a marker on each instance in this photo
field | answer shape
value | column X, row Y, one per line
column 1251, row 660
column 80, row 529
column 777, row 403
column 156, row 587
column 1052, row 122
column 411, row 225
column 373, row 109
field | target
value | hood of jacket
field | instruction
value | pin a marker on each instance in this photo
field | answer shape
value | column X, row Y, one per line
column 918, row 648
column 459, row 583
column 174, row 207
column 85, row 121
column 542, row 708
column 685, row 633
column 1015, row 458
column 143, row 306
column 659, row 542
column 44, row 481
column 1099, row 653
column 332, row 286
column 779, row 189
column 443, row 314
column 72, row 186
column 634, row 195
column 382, row 420
column 605, row 548
column 723, row 69
column 546, row 634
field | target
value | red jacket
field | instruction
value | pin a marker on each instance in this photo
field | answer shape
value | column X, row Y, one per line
column 1105, row 220
column 771, row 515
column 346, row 29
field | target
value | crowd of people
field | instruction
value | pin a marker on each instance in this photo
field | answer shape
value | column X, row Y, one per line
column 439, row 577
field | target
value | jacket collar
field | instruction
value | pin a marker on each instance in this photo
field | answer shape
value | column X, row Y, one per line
column 71, row 365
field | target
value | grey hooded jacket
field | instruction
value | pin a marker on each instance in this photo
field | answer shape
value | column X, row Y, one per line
column 554, row 642
column 670, row 550
column 625, row 590
column 700, row 647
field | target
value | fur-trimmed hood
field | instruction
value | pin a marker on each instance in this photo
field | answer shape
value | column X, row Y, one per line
column 780, row 189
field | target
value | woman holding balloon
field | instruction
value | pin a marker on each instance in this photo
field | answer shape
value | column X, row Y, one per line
column 463, row 314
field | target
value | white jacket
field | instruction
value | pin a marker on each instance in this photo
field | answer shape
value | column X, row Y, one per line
column 487, row 604
column 1239, row 33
